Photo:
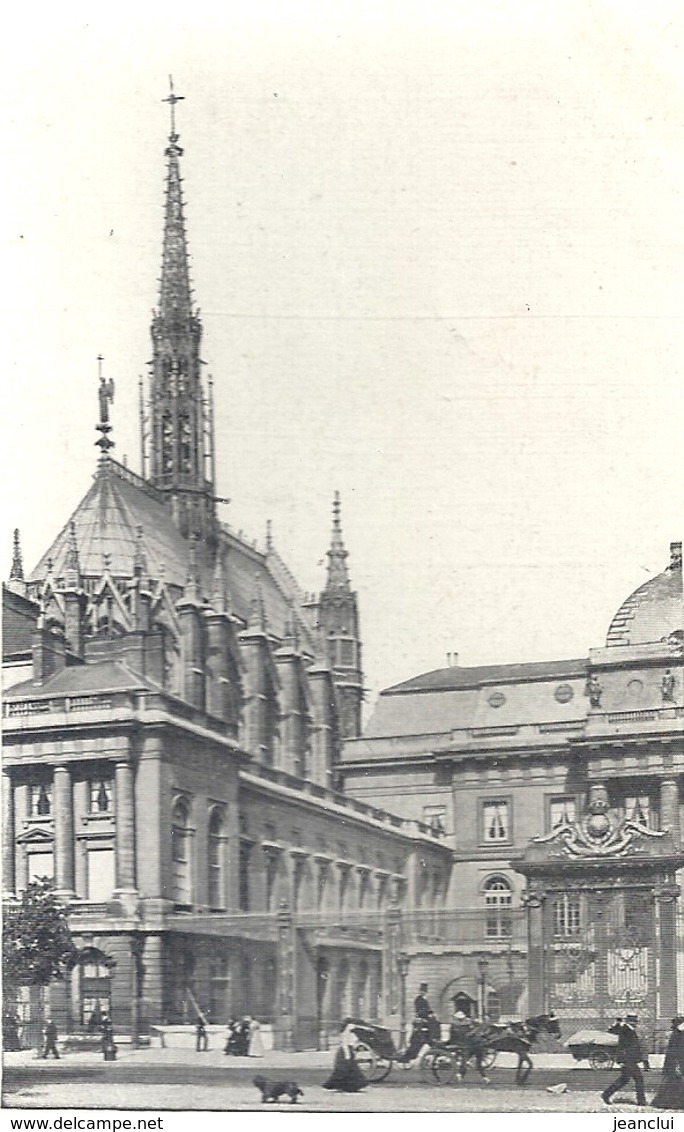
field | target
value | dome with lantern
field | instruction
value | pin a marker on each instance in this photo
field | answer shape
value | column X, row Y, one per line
column 655, row 611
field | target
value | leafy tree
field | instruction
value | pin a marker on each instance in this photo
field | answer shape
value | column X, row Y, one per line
column 37, row 944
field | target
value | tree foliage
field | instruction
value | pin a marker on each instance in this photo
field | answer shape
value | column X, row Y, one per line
column 37, row 944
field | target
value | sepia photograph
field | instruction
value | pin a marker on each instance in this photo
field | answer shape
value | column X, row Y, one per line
column 343, row 623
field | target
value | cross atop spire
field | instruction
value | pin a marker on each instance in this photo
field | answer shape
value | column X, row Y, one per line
column 172, row 100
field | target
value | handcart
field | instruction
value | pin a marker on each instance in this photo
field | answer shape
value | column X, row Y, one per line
column 595, row 1046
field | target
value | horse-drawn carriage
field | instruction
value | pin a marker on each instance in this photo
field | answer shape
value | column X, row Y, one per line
column 442, row 1062
column 595, row 1046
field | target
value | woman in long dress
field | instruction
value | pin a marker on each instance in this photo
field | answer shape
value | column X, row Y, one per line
column 671, row 1089
column 346, row 1077
column 256, row 1046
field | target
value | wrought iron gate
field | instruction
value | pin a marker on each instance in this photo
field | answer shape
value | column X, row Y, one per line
column 604, row 965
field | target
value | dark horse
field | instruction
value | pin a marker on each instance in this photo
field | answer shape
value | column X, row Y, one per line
column 509, row 1037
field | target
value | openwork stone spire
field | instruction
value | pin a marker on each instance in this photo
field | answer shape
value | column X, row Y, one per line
column 181, row 432
column 17, row 570
column 338, row 577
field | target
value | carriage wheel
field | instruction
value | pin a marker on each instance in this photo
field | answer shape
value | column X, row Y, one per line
column 373, row 1067
column 601, row 1059
column 487, row 1057
column 444, row 1066
column 425, row 1066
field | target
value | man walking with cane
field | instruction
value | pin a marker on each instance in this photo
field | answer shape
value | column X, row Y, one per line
column 630, row 1056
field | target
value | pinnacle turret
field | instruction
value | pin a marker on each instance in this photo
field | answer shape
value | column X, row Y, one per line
column 72, row 568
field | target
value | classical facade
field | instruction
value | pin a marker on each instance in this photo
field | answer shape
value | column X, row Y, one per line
column 559, row 787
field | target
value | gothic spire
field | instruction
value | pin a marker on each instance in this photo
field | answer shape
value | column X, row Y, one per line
column 175, row 302
column 17, row 570
column 338, row 577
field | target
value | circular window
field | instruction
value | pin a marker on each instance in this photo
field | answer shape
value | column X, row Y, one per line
column 564, row 693
column 497, row 699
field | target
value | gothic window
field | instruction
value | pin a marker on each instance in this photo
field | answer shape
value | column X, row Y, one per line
column 498, row 898
column 567, row 915
column 638, row 809
column 100, row 795
column 562, row 811
column 346, row 653
column 215, row 877
column 243, row 877
column 496, row 821
column 41, row 800
column 181, row 888
column 185, row 443
column 167, row 443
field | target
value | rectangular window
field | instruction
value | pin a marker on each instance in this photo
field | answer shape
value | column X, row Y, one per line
column 40, row 800
column 101, row 879
column 435, row 817
column 100, row 796
column 639, row 810
column 496, row 821
column 567, row 915
column 346, row 653
column 40, row 865
column 562, row 811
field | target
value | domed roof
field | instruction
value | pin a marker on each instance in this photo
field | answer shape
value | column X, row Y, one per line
column 655, row 610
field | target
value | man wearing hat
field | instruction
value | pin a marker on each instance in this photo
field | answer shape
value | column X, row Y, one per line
column 630, row 1056
column 422, row 1025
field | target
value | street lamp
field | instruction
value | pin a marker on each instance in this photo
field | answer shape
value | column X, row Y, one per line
column 482, row 966
column 402, row 968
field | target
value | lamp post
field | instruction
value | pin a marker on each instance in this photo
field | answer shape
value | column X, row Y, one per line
column 482, row 966
column 402, row 969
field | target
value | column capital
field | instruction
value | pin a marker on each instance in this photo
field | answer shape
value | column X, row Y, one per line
column 667, row 893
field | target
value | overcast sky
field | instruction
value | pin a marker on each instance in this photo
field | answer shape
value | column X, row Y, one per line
column 437, row 249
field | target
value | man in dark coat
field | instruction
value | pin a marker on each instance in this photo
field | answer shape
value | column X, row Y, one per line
column 50, row 1040
column 671, row 1089
column 630, row 1056
column 423, row 1025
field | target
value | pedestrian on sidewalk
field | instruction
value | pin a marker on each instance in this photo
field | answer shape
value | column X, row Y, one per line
column 670, row 1092
column 107, row 1041
column 256, row 1046
column 201, row 1036
column 346, row 1076
column 630, row 1056
column 50, row 1040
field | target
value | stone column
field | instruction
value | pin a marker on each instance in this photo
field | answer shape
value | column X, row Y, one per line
column 286, row 1021
column 8, row 837
column 669, row 807
column 666, row 896
column 64, row 830
column 125, row 827
column 534, row 899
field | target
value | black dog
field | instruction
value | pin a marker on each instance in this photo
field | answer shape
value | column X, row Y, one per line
column 274, row 1090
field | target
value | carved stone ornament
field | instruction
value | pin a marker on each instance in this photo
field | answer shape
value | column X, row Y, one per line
column 598, row 834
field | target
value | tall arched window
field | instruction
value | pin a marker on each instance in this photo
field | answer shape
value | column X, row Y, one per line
column 498, row 898
column 181, row 887
column 216, row 876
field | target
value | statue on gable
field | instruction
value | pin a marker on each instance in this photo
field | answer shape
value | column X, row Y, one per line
column 594, row 690
column 667, row 687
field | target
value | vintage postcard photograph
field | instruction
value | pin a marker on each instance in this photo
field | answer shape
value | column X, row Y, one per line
column 343, row 628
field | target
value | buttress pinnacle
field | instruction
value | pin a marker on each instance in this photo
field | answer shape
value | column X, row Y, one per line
column 338, row 577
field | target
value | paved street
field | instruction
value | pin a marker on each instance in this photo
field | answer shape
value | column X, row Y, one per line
column 183, row 1080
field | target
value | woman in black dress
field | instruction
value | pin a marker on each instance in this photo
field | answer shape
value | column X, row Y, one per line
column 671, row 1089
column 346, row 1077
